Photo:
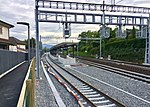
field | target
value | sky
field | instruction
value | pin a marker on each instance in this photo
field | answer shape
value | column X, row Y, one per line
column 13, row 11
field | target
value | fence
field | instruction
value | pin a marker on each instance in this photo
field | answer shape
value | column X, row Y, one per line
column 26, row 98
column 9, row 59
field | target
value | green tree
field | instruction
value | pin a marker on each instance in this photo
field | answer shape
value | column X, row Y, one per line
column 131, row 33
column 32, row 43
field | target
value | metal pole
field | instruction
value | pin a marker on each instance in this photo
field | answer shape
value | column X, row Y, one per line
column 39, row 53
column 148, row 41
column 28, row 25
column 41, row 42
column 77, row 49
column 120, row 31
column 100, row 49
column 73, row 50
column 112, row 2
column 32, row 43
column 37, row 39
column 29, row 44
column 146, row 48
column 103, row 29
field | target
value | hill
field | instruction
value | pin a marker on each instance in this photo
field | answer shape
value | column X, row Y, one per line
column 46, row 46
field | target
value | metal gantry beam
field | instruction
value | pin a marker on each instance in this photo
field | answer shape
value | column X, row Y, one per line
column 52, row 37
column 91, row 6
column 45, row 16
column 77, row 38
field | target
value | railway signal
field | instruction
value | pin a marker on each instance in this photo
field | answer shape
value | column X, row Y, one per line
column 66, row 30
column 106, row 31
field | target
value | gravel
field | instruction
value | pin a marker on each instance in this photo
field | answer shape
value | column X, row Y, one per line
column 129, row 85
column 44, row 95
column 67, row 98
column 135, row 87
column 69, row 77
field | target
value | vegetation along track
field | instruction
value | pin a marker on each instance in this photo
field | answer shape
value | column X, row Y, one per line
column 91, row 96
column 119, row 70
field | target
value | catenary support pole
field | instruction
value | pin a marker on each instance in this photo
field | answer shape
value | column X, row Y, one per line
column 29, row 51
column 148, row 41
column 37, row 39
column 103, row 30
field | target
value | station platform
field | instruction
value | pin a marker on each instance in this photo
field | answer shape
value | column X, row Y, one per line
column 11, row 85
column 12, row 82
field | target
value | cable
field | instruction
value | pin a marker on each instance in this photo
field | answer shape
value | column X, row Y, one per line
column 119, row 1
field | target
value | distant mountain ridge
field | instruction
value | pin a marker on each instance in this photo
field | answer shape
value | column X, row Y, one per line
column 46, row 46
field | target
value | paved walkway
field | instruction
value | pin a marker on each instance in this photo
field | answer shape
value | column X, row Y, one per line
column 44, row 94
column 11, row 85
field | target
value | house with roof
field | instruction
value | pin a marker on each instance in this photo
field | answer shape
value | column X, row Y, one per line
column 18, row 45
column 4, row 35
column 10, row 43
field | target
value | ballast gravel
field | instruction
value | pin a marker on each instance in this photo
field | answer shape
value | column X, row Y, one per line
column 67, row 97
column 44, row 96
column 137, row 88
column 133, row 93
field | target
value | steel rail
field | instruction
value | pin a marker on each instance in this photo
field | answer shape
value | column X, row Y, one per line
column 140, row 67
column 137, row 76
column 103, row 94
column 90, row 103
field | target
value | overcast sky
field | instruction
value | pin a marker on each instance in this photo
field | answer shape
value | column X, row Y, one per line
column 12, row 11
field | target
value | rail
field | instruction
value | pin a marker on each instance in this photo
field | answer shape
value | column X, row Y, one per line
column 116, row 68
column 143, row 69
column 89, row 101
column 27, row 94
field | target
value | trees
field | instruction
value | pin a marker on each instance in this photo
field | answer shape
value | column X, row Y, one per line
column 32, row 43
column 128, row 49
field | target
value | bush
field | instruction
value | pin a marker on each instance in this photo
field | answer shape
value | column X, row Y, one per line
column 132, row 50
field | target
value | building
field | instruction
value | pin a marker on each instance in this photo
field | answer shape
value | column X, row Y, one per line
column 18, row 46
column 4, row 35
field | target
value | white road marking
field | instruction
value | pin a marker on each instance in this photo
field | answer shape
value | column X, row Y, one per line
column 55, row 92
column 5, row 73
column 113, row 86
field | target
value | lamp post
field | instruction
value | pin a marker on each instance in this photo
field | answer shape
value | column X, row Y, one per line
column 27, row 24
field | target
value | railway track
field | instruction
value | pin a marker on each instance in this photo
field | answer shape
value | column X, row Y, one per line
column 131, row 74
column 88, row 95
column 143, row 69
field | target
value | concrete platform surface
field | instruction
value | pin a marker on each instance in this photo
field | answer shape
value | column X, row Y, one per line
column 11, row 85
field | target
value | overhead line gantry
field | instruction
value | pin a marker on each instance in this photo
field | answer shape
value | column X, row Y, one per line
column 45, row 8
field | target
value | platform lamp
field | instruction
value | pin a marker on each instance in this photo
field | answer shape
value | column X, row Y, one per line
column 28, row 25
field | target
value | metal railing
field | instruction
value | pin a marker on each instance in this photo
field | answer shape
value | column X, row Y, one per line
column 27, row 94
